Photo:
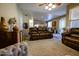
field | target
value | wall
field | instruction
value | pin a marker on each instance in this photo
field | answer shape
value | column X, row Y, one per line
column 26, row 19
column 31, row 22
column 20, row 17
column 40, row 23
column 10, row 10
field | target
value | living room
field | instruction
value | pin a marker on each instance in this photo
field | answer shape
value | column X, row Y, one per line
column 39, row 29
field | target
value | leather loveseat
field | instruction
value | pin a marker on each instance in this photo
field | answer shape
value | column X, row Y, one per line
column 39, row 33
column 71, row 38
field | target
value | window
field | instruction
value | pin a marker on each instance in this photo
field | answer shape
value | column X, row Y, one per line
column 74, row 23
column 36, row 25
column 62, row 24
column 74, row 17
column 49, row 24
column 31, row 23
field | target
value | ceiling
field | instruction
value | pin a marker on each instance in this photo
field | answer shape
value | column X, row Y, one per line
column 39, row 13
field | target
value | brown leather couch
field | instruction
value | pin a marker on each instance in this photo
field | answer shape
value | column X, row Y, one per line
column 71, row 38
column 33, row 33
column 39, row 33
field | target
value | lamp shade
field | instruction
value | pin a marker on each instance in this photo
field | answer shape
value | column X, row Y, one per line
column 25, row 25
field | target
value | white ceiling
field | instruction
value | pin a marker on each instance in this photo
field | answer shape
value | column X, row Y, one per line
column 39, row 13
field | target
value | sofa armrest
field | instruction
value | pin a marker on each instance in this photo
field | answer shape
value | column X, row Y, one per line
column 66, row 34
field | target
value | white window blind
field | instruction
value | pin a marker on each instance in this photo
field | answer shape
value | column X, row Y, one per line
column 74, row 17
column 74, row 24
column 62, row 23
column 49, row 24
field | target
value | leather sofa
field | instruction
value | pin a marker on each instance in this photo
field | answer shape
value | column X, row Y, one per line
column 33, row 32
column 71, row 38
column 39, row 33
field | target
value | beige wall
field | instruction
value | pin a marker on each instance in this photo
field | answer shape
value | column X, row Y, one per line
column 20, row 18
column 9, row 10
column 26, row 19
column 40, row 22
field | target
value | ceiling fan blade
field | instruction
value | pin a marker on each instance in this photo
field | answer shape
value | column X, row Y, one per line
column 58, row 3
column 42, row 4
column 47, row 3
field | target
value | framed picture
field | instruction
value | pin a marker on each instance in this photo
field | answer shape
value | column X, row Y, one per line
column 54, row 23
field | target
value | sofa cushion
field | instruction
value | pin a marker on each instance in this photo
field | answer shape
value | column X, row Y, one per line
column 75, row 35
column 75, row 30
column 74, row 40
column 35, row 34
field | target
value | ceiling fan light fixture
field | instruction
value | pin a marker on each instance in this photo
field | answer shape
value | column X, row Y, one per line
column 46, row 7
column 50, row 4
column 53, row 6
column 50, row 9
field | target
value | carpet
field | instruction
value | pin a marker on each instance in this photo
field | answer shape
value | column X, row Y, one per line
column 50, row 47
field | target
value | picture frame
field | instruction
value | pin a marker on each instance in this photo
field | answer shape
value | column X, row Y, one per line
column 54, row 23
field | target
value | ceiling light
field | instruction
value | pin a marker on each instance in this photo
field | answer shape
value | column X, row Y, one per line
column 50, row 5
column 50, row 9
column 46, row 7
column 53, row 6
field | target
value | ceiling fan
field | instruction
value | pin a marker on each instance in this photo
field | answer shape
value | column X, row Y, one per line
column 49, row 3
column 50, row 6
column 43, row 4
